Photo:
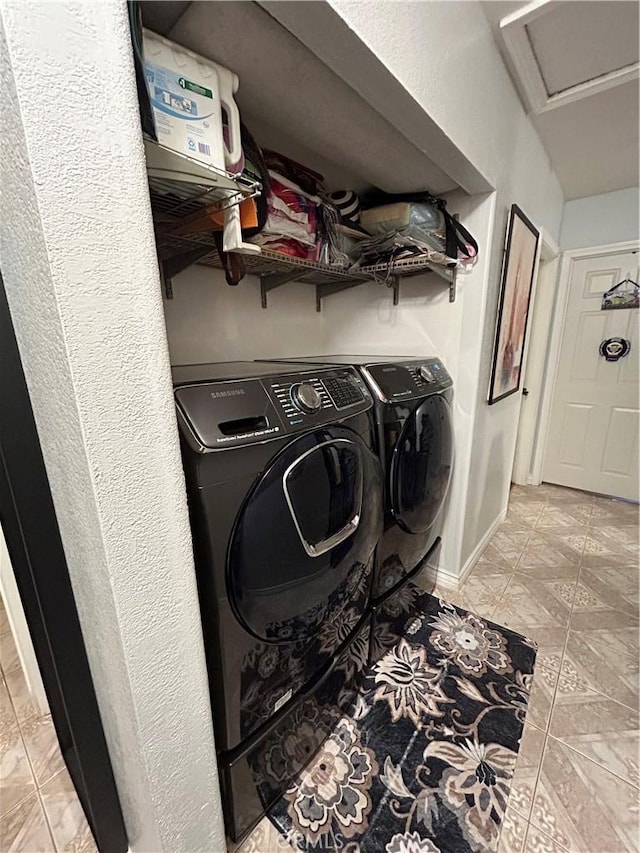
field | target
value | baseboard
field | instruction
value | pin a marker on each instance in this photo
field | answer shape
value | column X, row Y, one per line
column 442, row 578
column 447, row 580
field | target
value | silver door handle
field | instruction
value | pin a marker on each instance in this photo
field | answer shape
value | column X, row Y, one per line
column 316, row 549
column 332, row 541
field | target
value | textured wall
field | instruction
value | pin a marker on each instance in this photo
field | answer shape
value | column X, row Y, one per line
column 78, row 261
column 598, row 220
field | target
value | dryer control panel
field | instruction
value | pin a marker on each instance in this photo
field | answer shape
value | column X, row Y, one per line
column 406, row 379
column 231, row 413
column 318, row 397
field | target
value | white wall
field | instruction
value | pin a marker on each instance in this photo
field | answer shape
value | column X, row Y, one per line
column 78, row 262
column 598, row 220
column 445, row 56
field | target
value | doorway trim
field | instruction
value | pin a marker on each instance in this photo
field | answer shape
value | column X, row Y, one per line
column 567, row 260
column 548, row 252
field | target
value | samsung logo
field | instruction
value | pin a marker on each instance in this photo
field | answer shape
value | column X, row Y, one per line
column 234, row 392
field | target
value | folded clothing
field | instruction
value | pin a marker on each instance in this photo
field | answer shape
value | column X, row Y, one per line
column 292, row 219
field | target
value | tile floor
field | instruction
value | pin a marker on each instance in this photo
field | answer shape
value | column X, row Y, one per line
column 563, row 569
column 39, row 808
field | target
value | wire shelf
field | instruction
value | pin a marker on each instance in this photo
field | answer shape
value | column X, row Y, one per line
column 407, row 267
column 309, row 272
column 180, row 187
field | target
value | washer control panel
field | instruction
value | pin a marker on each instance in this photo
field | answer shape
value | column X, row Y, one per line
column 223, row 406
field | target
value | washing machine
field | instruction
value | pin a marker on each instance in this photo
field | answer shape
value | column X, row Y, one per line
column 414, row 441
column 286, row 505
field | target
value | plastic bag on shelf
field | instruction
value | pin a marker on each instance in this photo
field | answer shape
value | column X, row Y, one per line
column 402, row 214
column 291, row 226
column 457, row 243
column 409, row 243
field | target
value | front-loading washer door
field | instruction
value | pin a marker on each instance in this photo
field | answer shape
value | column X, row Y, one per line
column 301, row 547
column 421, row 465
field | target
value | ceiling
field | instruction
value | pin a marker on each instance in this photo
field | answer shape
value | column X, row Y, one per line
column 293, row 102
column 575, row 66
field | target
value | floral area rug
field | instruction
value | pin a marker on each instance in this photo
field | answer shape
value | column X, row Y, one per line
column 423, row 760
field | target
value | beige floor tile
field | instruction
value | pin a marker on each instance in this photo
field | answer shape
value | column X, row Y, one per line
column 607, row 659
column 513, row 524
column 487, row 568
column 507, row 546
column 522, row 522
column 626, row 535
column 539, row 842
column 495, row 562
column 615, row 543
column 532, row 606
column 525, row 513
column 596, row 726
column 478, row 595
column 553, row 554
column 16, row 778
column 527, row 493
column 624, row 580
column 594, row 557
column 562, row 494
column 66, row 818
column 604, row 619
column 513, row 832
column 612, row 588
column 583, row 807
column 9, row 659
column 23, row 703
column 541, row 697
column 559, row 516
column 24, row 829
column 42, row 745
column 616, row 512
column 524, row 780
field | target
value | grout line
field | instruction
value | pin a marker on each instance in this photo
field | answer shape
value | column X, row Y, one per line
column 597, row 763
column 47, row 823
column 21, row 802
column 537, row 779
column 44, row 784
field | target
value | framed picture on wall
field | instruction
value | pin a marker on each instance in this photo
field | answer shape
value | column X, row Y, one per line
column 513, row 309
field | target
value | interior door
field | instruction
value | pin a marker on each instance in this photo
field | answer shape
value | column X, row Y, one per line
column 593, row 432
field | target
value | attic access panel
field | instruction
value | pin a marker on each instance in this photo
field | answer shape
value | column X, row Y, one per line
column 576, row 42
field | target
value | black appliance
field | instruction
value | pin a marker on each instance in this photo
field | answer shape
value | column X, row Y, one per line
column 286, row 506
column 414, row 440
